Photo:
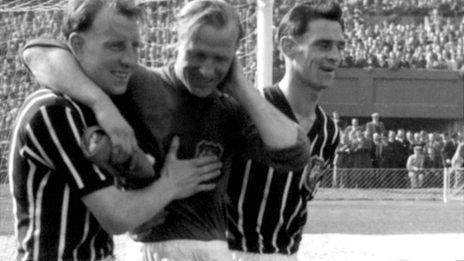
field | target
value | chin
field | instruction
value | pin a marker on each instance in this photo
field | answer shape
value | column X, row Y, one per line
column 118, row 89
column 200, row 92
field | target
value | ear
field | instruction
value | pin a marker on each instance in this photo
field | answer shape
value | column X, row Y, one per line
column 76, row 43
column 288, row 47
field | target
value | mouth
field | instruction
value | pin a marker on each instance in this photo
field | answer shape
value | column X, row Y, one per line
column 121, row 75
column 327, row 69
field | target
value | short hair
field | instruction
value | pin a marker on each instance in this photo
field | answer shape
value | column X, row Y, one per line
column 215, row 13
column 80, row 14
column 295, row 22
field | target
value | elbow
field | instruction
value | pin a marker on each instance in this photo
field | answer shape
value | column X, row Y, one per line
column 116, row 225
column 116, row 220
column 33, row 60
column 27, row 56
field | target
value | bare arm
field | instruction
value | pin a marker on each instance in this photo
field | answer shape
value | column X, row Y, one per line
column 57, row 69
column 276, row 130
column 120, row 211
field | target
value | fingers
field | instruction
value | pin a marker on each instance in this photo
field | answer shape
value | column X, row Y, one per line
column 173, row 148
column 199, row 162
column 206, row 187
column 133, row 161
column 216, row 166
column 122, row 147
column 208, row 176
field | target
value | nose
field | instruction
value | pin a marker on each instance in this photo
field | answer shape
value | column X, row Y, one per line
column 207, row 68
column 129, row 58
column 335, row 54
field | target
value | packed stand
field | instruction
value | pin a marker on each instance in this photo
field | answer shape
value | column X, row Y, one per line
column 415, row 159
column 393, row 34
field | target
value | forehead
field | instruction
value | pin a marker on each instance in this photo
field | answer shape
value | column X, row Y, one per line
column 109, row 23
column 213, row 40
column 324, row 29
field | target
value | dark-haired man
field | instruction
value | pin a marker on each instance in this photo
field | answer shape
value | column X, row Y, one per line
column 268, row 207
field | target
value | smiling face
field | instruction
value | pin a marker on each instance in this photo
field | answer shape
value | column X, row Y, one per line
column 204, row 58
column 107, row 51
column 318, row 53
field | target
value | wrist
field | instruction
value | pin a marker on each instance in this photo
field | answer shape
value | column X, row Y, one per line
column 244, row 93
column 169, row 190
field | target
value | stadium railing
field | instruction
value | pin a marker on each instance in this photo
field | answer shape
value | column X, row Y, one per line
column 391, row 184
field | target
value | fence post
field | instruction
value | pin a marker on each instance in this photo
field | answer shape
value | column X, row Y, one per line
column 334, row 177
column 445, row 184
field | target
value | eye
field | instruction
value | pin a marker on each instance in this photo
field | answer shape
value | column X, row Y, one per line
column 116, row 46
column 324, row 45
column 199, row 56
column 136, row 46
column 220, row 59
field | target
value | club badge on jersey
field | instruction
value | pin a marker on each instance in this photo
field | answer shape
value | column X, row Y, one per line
column 313, row 175
column 208, row 148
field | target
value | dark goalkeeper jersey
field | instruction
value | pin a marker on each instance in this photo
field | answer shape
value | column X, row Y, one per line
column 267, row 211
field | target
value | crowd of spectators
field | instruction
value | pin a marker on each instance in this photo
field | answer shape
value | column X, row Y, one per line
column 368, row 147
column 432, row 39
column 416, row 34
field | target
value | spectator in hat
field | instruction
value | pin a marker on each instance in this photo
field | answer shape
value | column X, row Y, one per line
column 376, row 126
column 415, row 165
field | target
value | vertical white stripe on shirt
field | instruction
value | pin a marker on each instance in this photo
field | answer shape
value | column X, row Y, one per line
column 240, row 202
column 262, row 207
column 78, row 109
column 336, row 133
column 98, row 171
column 92, row 246
column 39, row 147
column 38, row 214
column 63, row 154
column 14, row 142
column 292, row 241
column 73, row 126
column 84, row 234
column 282, row 208
column 64, row 222
column 14, row 205
column 313, row 143
column 32, row 154
column 321, row 149
column 297, row 208
column 31, row 209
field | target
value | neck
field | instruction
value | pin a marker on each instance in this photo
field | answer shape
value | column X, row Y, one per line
column 302, row 98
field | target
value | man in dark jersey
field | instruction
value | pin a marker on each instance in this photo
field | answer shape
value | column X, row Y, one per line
column 66, row 207
column 268, row 211
column 183, row 99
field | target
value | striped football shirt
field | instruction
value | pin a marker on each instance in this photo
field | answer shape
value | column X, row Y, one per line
column 48, row 175
column 267, row 210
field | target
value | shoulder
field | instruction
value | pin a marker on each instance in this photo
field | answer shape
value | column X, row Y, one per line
column 42, row 42
column 50, row 104
column 47, row 98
